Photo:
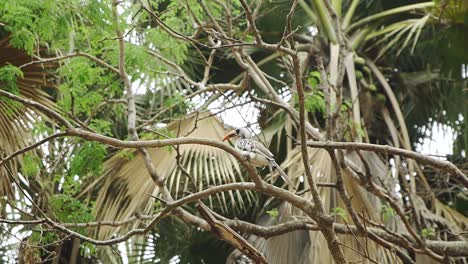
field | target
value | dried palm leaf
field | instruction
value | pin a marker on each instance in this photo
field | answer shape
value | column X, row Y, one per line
column 354, row 93
column 450, row 216
column 125, row 185
column 17, row 122
column 308, row 246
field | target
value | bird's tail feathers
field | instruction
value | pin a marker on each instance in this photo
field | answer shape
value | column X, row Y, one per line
column 280, row 172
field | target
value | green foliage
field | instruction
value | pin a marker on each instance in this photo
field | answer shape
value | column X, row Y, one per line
column 67, row 209
column 41, row 127
column 357, row 127
column 41, row 237
column 161, row 133
column 101, row 126
column 359, row 60
column 428, row 233
column 360, row 131
column 273, row 213
column 372, row 87
column 359, row 75
column 172, row 237
column 158, row 206
column 169, row 47
column 20, row 19
column 180, row 100
column 353, row 129
column 314, row 79
column 127, row 154
column 381, row 97
column 81, row 78
column 177, row 17
column 315, row 101
column 88, row 159
column 87, row 250
column 387, row 213
column 346, row 106
column 30, row 165
column 9, row 75
column 341, row 212
column 88, row 26
column 37, row 22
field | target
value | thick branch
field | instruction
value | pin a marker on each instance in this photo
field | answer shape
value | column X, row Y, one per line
column 324, row 221
column 451, row 248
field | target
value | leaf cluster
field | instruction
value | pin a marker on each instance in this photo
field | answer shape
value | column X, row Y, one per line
column 89, row 159
column 315, row 101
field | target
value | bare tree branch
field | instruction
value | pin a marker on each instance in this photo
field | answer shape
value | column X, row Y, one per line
column 385, row 149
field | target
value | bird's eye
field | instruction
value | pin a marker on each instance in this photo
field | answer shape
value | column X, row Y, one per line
column 237, row 131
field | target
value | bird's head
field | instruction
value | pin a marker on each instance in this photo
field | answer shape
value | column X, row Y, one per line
column 238, row 132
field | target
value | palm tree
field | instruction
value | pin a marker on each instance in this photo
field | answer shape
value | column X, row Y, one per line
column 372, row 33
column 386, row 47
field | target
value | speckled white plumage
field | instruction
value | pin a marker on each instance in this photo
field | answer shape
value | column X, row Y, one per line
column 256, row 152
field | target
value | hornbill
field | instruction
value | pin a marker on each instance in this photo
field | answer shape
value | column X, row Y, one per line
column 255, row 151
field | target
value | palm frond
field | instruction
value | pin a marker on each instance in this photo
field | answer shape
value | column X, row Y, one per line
column 307, row 246
column 17, row 122
column 450, row 215
column 126, row 186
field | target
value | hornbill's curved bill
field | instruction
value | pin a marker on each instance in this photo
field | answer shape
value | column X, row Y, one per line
column 255, row 151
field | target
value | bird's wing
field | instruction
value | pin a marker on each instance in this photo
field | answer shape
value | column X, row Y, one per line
column 244, row 145
column 261, row 149
column 280, row 171
column 239, row 145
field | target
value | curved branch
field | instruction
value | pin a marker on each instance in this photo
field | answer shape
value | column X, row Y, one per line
column 385, row 149
column 451, row 248
column 31, row 147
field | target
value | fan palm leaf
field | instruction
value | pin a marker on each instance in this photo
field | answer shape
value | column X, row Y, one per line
column 307, row 246
column 125, row 187
column 17, row 122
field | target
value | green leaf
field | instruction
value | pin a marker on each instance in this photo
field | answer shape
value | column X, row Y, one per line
column 341, row 212
column 70, row 210
column 89, row 159
column 428, row 233
column 347, row 105
column 359, row 75
column 30, row 165
column 102, row 126
column 273, row 213
column 312, row 82
column 315, row 103
column 9, row 75
column 388, row 213
column 128, row 154
column 87, row 249
column 314, row 79
column 315, row 74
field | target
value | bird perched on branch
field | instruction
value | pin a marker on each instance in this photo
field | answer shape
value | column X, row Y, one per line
column 255, row 151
